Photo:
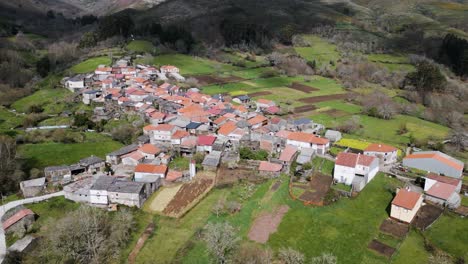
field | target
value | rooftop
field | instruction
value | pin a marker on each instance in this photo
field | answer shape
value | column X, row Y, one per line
column 406, row 199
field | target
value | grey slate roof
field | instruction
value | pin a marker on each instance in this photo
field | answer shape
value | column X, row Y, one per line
column 56, row 168
column 90, row 161
column 126, row 187
column 124, row 150
column 34, row 182
column 103, row 183
column 212, row 159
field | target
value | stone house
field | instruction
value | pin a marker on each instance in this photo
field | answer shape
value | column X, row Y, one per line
column 18, row 221
column 57, row 174
column 31, row 188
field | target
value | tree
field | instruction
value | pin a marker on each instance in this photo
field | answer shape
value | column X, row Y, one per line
column 459, row 139
column 291, row 256
column 221, row 239
column 427, row 77
column 325, row 258
column 9, row 175
column 218, row 208
column 88, row 40
column 43, row 66
column 248, row 254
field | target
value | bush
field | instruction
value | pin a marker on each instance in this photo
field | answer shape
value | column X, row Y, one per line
column 248, row 154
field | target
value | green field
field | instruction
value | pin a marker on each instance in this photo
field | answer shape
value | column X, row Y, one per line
column 190, row 65
column 53, row 208
column 9, row 120
column 51, row 153
column 412, row 250
column 141, row 46
column 450, row 233
column 392, row 62
column 90, row 65
column 320, row 50
column 49, row 99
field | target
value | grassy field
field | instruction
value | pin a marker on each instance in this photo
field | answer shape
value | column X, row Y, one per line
column 9, row 120
column 392, row 62
column 320, row 50
column 54, row 208
column 412, row 250
column 450, row 233
column 49, row 99
column 90, row 65
column 190, row 65
column 50, row 153
column 142, row 46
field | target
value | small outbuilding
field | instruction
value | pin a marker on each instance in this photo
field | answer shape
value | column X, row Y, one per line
column 31, row 188
column 405, row 205
column 333, row 135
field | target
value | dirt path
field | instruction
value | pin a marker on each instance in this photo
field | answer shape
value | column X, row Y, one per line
column 140, row 243
column 267, row 224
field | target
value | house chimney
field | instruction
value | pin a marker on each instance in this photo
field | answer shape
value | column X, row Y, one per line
column 192, row 169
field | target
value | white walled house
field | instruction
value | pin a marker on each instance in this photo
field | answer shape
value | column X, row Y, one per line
column 149, row 151
column 306, row 140
column 205, row 143
column 385, row 153
column 355, row 169
column 133, row 158
column 75, row 84
column 405, row 205
column 169, row 69
column 443, row 190
column 127, row 193
column 162, row 132
column 98, row 191
column 149, row 173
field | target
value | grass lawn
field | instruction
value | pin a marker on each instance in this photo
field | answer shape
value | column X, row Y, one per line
column 90, row 65
column 251, row 73
column 47, row 98
column 10, row 198
column 141, row 46
column 56, row 121
column 180, row 163
column 51, row 153
column 9, row 120
column 450, row 233
column 320, row 50
column 323, row 165
column 338, row 105
column 172, row 234
column 412, row 250
column 342, row 186
column 464, row 201
column 190, row 65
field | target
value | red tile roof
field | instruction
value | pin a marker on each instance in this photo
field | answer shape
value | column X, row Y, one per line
column 135, row 155
column 16, row 217
column 206, row 140
column 380, row 148
column 436, row 156
column 264, row 101
column 441, row 190
column 444, row 179
column 173, row 175
column 307, row 137
column 257, row 120
column 273, row 109
column 150, row 168
column 180, row 134
column 149, row 128
column 406, row 199
column 266, row 145
column 227, row 128
column 283, row 134
column 164, row 127
column 149, row 149
column 352, row 159
column 288, row 153
column 269, row 167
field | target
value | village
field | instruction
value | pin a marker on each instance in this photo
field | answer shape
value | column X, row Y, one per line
column 220, row 135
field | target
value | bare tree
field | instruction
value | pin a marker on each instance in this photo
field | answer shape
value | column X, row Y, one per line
column 248, row 254
column 291, row 256
column 325, row 258
column 459, row 139
column 221, row 239
column 218, row 207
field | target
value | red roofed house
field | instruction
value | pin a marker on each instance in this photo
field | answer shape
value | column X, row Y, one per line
column 288, row 154
column 173, row 176
column 149, row 151
column 405, row 205
column 19, row 222
column 149, row 172
column 133, row 158
column 157, row 118
column 178, row 136
column 205, row 143
column 435, row 161
column 307, row 140
column 257, row 121
column 264, row 103
column 162, row 132
column 270, row 169
column 443, row 190
column 356, row 170
column 169, row 69
column 387, row 154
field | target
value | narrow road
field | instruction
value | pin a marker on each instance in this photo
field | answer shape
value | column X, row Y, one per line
column 10, row 205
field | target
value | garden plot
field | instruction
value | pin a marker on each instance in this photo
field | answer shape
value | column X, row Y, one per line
column 187, row 197
column 303, row 88
column 394, row 228
column 266, row 224
column 318, row 188
column 159, row 203
column 426, row 216
column 209, row 79
column 228, row 176
column 304, row 108
column 381, row 248
column 323, row 98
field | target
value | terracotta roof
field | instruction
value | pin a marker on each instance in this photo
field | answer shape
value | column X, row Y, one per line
column 352, row 159
column 219, row 120
column 16, row 217
column 173, row 175
column 380, row 148
column 441, row 190
column 149, row 128
column 283, row 134
column 150, row 168
column 444, row 179
column 266, row 145
column 406, row 199
column 158, row 115
column 135, row 155
column 264, row 101
column 204, row 140
column 257, row 120
column 150, row 149
column 273, row 109
column 180, row 134
column 437, row 156
column 270, row 167
column 164, row 127
column 307, row 137
column 227, row 128
column 288, row 153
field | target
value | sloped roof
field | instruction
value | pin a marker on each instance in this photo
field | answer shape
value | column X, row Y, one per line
column 352, row 159
column 307, row 137
column 406, row 199
column 439, row 156
column 380, row 148
column 288, row 153
column 269, row 167
column 173, row 175
column 444, row 179
column 257, row 120
column 205, row 140
column 441, row 190
column 149, row 149
column 150, row 168
column 227, row 128
column 16, row 217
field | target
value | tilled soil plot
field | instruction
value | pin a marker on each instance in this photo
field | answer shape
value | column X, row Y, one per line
column 381, row 248
column 302, row 87
column 263, row 93
column 211, row 79
column 426, row 216
column 323, row 98
column 188, row 193
column 304, row 108
column 320, row 184
column 266, row 224
column 394, row 228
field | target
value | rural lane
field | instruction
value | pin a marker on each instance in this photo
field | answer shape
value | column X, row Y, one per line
column 10, row 205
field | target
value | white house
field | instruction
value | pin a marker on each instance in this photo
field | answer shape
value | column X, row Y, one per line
column 98, row 191
column 149, row 151
column 178, row 136
column 405, row 205
column 385, row 153
column 75, row 84
column 133, row 158
column 205, row 143
column 149, row 173
column 102, row 70
column 264, row 103
column 138, row 96
column 162, row 132
column 355, row 169
column 307, row 140
column 443, row 190
column 169, row 69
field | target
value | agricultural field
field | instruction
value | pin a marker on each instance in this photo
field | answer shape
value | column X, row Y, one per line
column 50, row 153
column 450, row 233
column 190, row 65
column 319, row 50
column 392, row 62
column 9, row 120
column 159, row 200
column 141, row 46
column 187, row 196
column 49, row 99
column 90, row 65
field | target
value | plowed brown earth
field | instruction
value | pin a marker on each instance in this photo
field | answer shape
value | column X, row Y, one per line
column 323, row 98
column 266, row 224
column 394, row 228
column 188, row 193
column 259, row 94
column 302, row 87
column 426, row 216
column 304, row 108
column 381, row 248
column 211, row 79
column 319, row 186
